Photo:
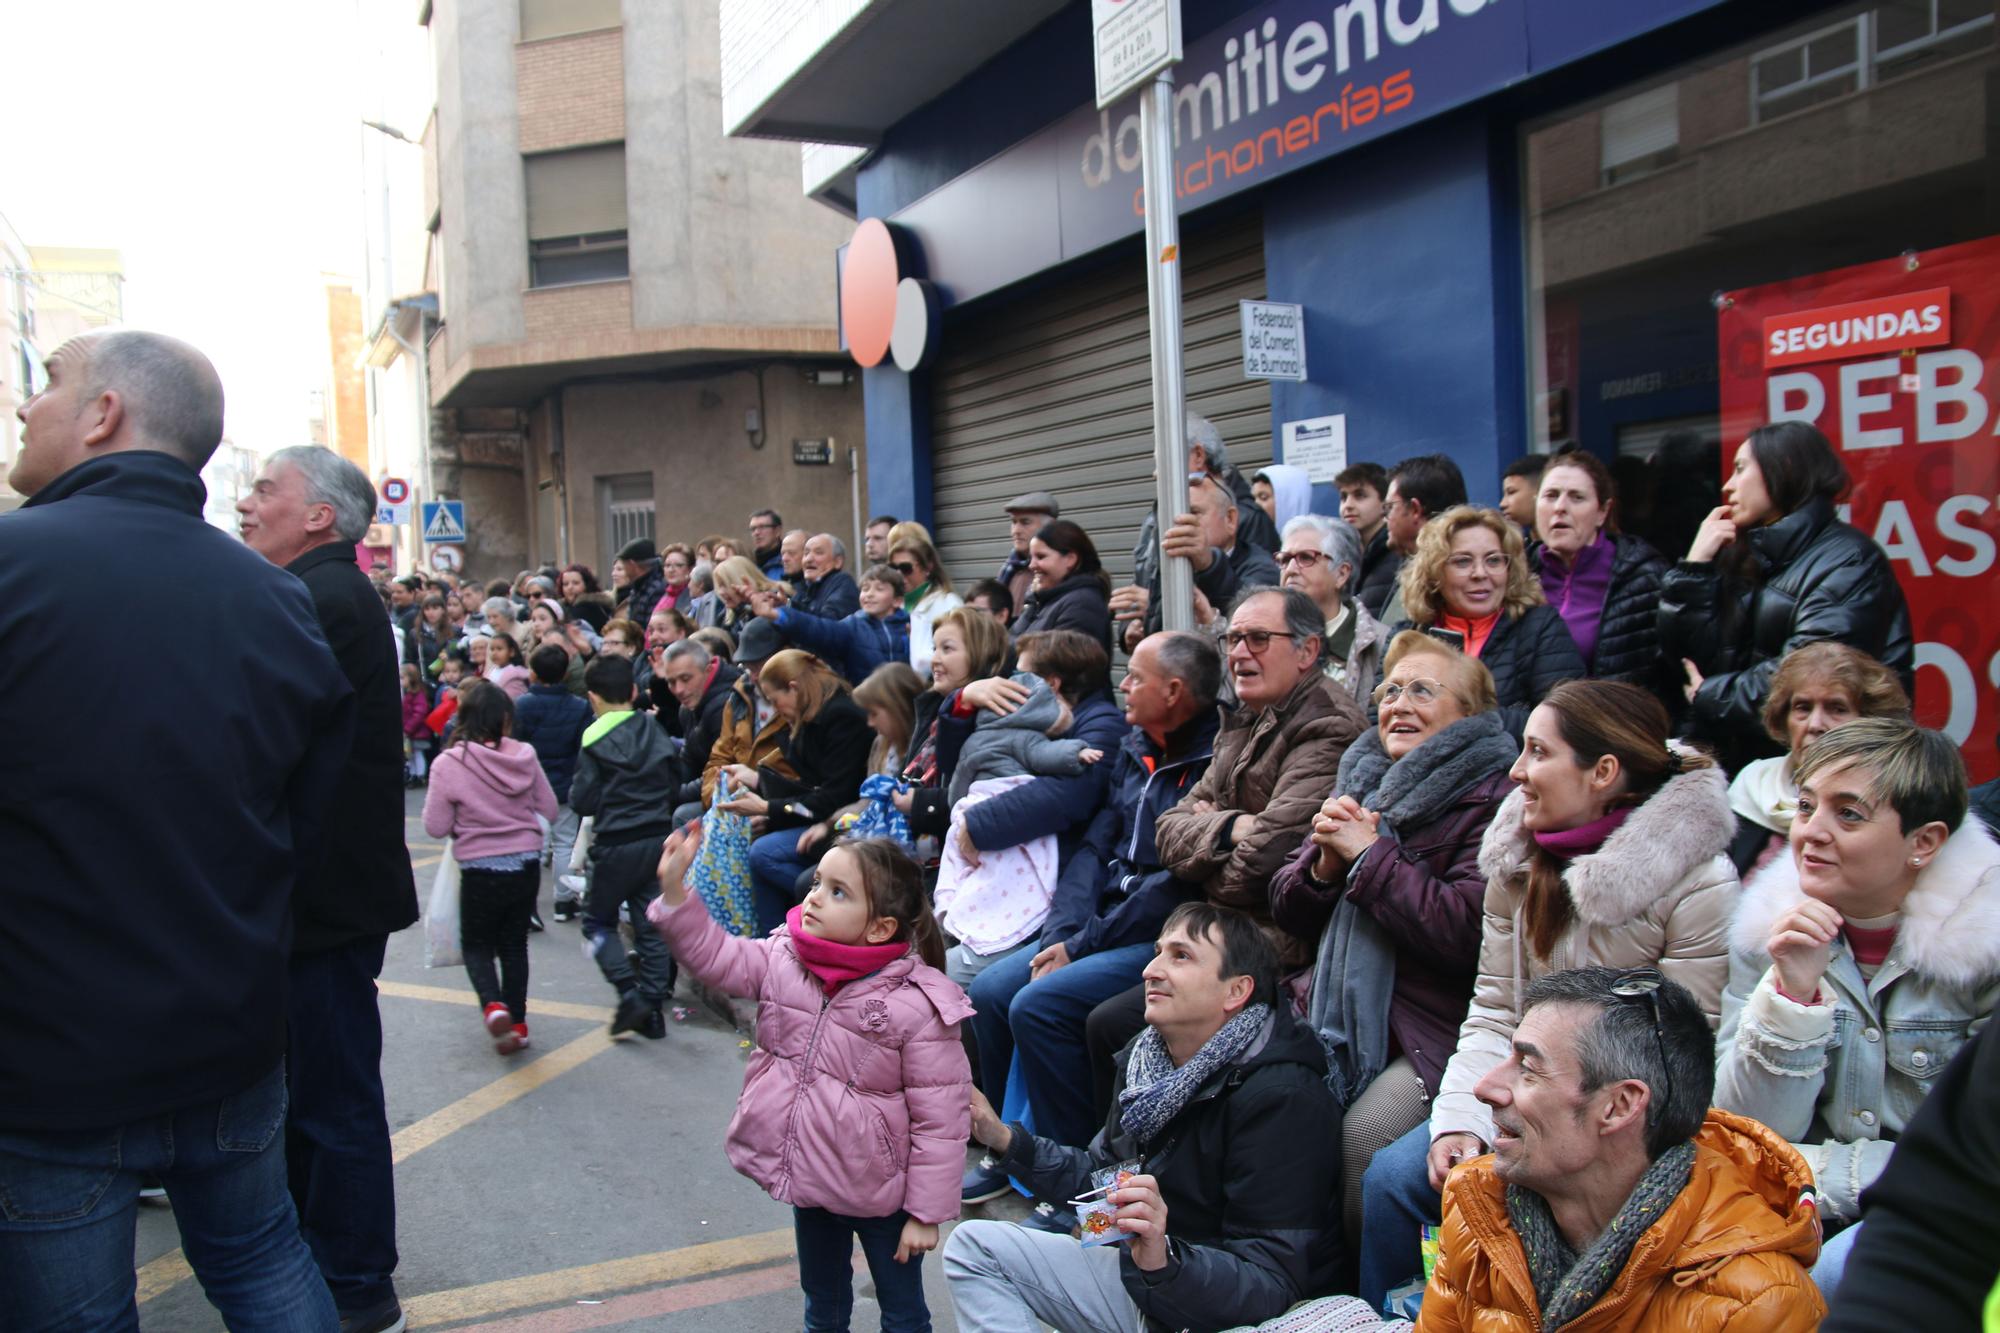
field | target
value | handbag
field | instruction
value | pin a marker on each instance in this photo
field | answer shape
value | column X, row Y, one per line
column 720, row 875
column 441, row 946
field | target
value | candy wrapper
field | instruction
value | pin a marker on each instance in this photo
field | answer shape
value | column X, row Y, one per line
column 1096, row 1213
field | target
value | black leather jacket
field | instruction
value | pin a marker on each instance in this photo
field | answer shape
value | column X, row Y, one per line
column 1821, row 579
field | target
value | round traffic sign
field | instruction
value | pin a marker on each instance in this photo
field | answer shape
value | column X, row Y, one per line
column 446, row 559
column 395, row 491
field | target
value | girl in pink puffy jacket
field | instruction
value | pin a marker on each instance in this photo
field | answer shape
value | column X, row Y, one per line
column 856, row 1104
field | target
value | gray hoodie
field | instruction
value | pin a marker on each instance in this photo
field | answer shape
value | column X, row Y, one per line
column 1016, row 744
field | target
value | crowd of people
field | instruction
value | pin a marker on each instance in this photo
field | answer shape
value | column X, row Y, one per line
column 1478, row 917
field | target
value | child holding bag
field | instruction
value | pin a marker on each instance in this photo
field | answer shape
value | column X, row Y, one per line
column 855, row 1105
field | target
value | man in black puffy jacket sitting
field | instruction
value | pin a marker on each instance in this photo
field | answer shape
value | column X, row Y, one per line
column 1222, row 1103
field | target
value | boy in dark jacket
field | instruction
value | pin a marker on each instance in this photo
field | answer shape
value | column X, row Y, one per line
column 551, row 719
column 856, row 644
column 626, row 778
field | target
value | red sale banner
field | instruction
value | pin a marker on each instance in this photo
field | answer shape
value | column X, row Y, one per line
column 1916, row 423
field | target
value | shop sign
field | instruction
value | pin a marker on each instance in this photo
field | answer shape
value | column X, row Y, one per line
column 1885, row 324
column 1282, row 85
column 1132, row 41
column 1918, row 425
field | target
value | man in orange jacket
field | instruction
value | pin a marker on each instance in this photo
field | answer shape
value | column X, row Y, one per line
column 1614, row 1199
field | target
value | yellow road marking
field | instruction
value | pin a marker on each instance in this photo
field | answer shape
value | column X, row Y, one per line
column 172, row 1268
column 419, row 862
column 169, row 1270
column 500, row 1092
column 404, row 990
column 568, row 1284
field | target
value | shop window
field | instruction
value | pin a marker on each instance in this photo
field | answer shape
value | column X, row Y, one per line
column 1640, row 134
column 576, row 216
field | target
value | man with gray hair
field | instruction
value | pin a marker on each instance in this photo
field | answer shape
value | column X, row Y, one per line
column 151, row 852
column 1319, row 556
column 305, row 512
column 701, row 685
column 1208, row 456
column 828, row 591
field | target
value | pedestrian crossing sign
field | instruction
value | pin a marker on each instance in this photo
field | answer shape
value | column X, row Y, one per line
column 444, row 522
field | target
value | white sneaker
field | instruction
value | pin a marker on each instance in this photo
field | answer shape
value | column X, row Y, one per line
column 574, row 883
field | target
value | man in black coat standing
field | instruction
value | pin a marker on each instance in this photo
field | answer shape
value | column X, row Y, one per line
column 305, row 513
column 151, row 838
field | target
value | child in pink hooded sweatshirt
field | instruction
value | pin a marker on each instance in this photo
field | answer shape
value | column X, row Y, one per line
column 856, row 1104
column 485, row 793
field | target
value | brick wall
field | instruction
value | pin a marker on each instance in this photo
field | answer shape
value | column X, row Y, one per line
column 571, row 90
column 577, row 312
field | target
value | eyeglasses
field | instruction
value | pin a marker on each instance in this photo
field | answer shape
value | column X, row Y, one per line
column 1256, row 640
column 1493, row 562
column 1631, row 985
column 1303, row 559
column 1421, row 692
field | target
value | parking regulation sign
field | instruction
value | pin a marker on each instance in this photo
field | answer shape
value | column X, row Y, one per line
column 395, row 491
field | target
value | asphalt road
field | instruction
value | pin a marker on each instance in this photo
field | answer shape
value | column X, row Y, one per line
column 579, row 1185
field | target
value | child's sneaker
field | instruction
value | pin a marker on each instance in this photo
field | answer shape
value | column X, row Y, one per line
column 565, row 909
column 513, row 1039
column 497, row 1019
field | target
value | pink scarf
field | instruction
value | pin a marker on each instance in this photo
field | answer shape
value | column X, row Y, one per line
column 836, row 964
column 1570, row 843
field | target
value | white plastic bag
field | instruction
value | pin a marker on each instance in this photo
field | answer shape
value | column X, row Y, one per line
column 579, row 857
column 441, row 917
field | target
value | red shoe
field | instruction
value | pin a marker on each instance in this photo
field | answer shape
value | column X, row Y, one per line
column 513, row 1039
column 498, row 1021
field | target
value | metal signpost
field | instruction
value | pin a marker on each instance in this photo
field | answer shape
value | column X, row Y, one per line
column 1138, row 42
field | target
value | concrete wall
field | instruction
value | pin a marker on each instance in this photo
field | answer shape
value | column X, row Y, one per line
column 720, row 231
column 482, row 200
column 706, row 477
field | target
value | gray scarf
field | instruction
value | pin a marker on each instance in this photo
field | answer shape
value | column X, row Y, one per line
column 1568, row 1283
column 1155, row 1091
column 1355, row 972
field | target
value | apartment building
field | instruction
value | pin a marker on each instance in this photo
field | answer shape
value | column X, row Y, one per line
column 628, row 318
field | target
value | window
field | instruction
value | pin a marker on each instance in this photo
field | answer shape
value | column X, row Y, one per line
column 625, row 511
column 1883, row 42
column 1640, row 134
column 1910, row 33
column 576, row 216
column 557, row 18
column 1815, row 68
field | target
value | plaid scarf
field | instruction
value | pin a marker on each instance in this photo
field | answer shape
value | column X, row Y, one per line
column 1568, row 1283
column 1155, row 1091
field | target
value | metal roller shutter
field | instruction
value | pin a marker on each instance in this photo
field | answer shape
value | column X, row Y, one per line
column 1054, row 392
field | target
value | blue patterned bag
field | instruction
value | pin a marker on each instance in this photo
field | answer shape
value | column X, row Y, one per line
column 881, row 819
column 720, row 875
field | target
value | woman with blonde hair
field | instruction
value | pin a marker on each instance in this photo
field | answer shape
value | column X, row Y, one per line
column 826, row 742
column 1470, row 584
column 927, row 593
column 1612, row 852
column 1815, row 689
column 737, row 580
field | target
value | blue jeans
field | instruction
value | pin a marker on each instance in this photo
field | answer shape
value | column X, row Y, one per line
column 1042, row 1022
column 826, row 1271
column 775, row 867
column 1831, row 1265
column 1397, row 1201
column 343, row 1179
column 69, row 1202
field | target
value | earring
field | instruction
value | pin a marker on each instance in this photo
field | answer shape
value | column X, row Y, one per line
column 1916, row 860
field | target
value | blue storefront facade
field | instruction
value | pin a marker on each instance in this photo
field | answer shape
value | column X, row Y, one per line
column 1385, row 147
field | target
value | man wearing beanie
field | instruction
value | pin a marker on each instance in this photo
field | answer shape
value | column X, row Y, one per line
column 645, row 584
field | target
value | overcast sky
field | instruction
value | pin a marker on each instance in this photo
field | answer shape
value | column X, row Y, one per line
column 216, row 145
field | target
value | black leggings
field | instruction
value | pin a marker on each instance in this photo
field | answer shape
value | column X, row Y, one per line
column 493, row 909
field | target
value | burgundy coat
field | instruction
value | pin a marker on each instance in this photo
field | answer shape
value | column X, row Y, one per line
column 1426, row 888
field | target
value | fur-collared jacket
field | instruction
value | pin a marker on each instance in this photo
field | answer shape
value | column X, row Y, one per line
column 1842, row 1077
column 1658, row 893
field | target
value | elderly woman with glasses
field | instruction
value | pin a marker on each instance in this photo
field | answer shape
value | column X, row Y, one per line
column 1610, row 853
column 1388, row 889
column 1862, row 961
column 1319, row 556
column 1470, row 583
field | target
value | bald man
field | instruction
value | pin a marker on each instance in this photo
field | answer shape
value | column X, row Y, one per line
column 151, row 836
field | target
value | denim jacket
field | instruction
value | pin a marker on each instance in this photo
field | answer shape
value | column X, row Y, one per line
column 1841, row 1078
